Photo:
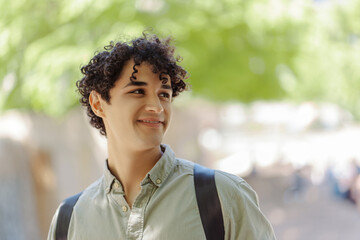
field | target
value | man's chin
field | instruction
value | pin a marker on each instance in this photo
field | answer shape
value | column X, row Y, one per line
column 151, row 143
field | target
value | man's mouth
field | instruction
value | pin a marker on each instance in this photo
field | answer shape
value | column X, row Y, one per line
column 153, row 123
column 149, row 121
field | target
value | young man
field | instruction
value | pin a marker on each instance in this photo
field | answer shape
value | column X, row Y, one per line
column 145, row 192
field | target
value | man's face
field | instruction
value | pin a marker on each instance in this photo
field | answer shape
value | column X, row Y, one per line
column 139, row 112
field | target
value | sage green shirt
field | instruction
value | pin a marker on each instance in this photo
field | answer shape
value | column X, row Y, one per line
column 165, row 209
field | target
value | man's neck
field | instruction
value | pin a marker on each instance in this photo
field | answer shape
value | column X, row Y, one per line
column 130, row 166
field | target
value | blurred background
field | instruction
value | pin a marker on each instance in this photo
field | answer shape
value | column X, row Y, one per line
column 275, row 99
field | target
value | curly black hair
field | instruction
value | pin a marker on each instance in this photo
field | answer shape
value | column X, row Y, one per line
column 102, row 71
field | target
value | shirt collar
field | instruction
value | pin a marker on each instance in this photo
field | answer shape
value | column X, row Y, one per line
column 110, row 179
column 162, row 169
column 157, row 175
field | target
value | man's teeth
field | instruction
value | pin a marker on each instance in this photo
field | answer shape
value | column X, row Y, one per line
column 150, row 121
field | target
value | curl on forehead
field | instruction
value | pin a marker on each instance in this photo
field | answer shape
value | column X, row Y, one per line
column 163, row 75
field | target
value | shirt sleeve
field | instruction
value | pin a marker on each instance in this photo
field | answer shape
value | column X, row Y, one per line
column 243, row 218
column 51, row 234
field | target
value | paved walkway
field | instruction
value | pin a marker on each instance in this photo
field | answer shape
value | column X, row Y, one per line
column 315, row 214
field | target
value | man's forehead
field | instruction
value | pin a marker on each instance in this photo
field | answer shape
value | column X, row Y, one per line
column 130, row 64
column 134, row 72
column 137, row 75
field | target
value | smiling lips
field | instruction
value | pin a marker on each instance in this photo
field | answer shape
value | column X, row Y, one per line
column 154, row 123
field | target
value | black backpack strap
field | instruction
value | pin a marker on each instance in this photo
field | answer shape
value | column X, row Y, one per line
column 64, row 216
column 208, row 203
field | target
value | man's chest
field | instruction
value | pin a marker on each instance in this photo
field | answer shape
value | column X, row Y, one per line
column 175, row 221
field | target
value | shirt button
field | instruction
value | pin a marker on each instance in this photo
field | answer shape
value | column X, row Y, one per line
column 124, row 208
column 116, row 185
column 158, row 181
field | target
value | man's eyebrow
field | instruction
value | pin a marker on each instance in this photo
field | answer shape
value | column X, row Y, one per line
column 138, row 83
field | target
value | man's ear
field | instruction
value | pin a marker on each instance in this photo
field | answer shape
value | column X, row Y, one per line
column 95, row 103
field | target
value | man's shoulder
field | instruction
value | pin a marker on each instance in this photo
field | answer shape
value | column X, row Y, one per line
column 186, row 164
column 94, row 190
column 240, row 206
column 230, row 180
column 223, row 179
column 234, row 187
column 228, row 185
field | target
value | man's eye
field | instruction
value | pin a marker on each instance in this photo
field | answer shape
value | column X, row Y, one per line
column 138, row 91
column 165, row 95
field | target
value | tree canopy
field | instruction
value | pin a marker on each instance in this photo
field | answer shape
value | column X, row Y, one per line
column 233, row 49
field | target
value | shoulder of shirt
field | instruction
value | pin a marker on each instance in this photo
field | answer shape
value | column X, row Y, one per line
column 186, row 164
column 223, row 179
column 229, row 179
column 228, row 185
column 239, row 199
column 236, row 195
column 231, row 187
column 94, row 190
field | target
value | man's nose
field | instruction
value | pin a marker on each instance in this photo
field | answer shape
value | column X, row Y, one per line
column 154, row 104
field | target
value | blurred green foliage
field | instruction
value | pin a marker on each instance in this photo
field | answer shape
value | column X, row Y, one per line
column 233, row 49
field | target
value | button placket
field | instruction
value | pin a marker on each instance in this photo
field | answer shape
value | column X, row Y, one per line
column 124, row 208
column 137, row 214
column 117, row 194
